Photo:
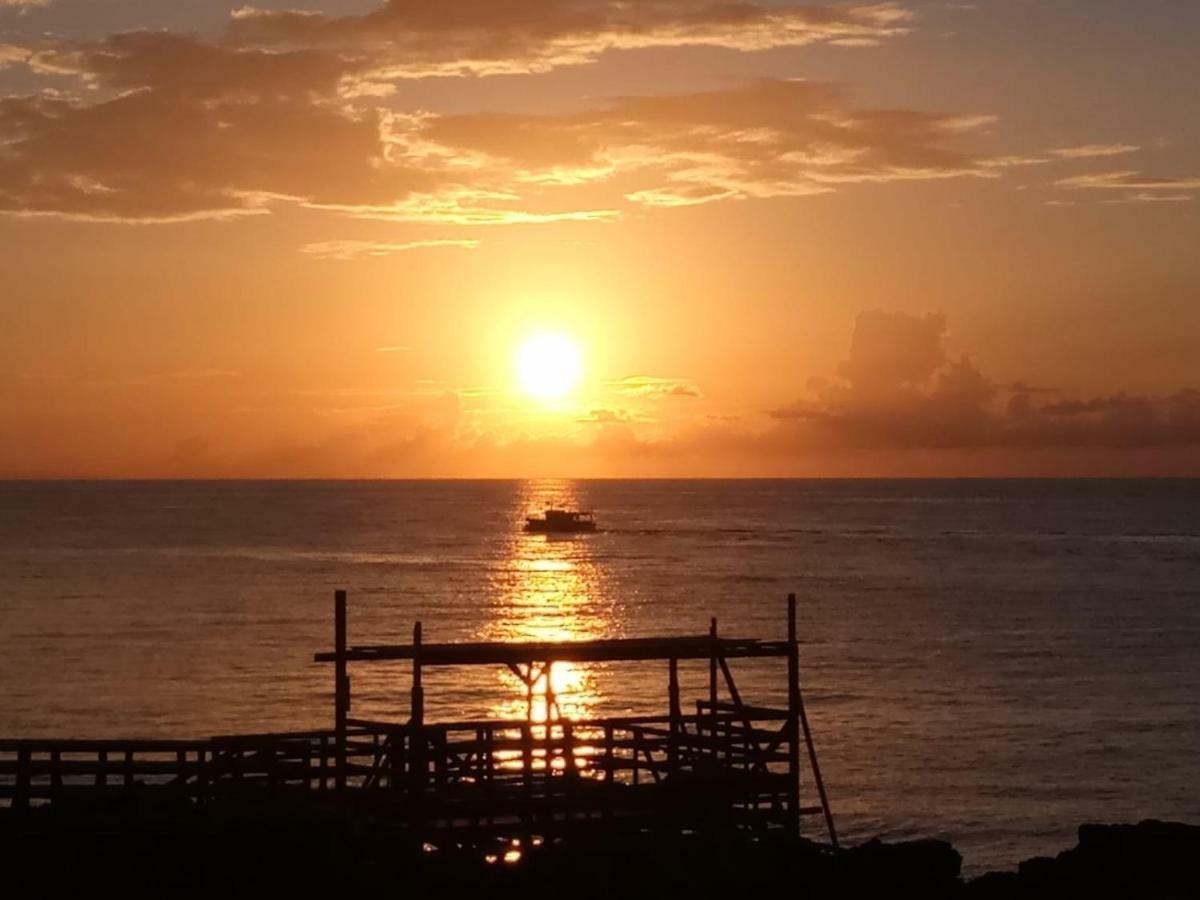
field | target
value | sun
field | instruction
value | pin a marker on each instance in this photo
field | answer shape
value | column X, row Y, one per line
column 548, row 365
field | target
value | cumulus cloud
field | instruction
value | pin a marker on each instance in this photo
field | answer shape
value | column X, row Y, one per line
column 416, row 38
column 899, row 390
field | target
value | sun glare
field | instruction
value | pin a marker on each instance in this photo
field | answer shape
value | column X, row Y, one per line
column 548, row 366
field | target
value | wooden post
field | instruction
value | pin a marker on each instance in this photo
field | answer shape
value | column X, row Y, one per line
column 417, row 716
column 608, row 752
column 676, row 714
column 202, row 776
column 552, row 711
column 181, row 761
column 341, row 688
column 323, row 764
column 712, row 681
column 608, row 770
column 21, row 788
column 418, row 692
column 568, row 731
column 794, row 690
column 793, row 719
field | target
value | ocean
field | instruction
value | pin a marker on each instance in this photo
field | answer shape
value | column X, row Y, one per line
column 990, row 662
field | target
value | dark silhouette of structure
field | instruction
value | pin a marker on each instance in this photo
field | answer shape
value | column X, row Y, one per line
column 697, row 804
column 726, row 766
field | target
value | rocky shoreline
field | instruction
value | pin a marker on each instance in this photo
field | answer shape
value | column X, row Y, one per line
column 273, row 849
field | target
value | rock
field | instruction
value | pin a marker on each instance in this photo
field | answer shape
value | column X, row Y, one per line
column 923, row 868
column 1149, row 861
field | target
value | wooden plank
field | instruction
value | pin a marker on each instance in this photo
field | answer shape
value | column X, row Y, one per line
column 521, row 652
column 768, row 713
column 120, row 745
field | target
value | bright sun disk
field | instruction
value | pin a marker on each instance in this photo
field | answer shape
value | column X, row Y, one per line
column 548, row 365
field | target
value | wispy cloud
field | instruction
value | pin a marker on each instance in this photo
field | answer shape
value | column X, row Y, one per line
column 1128, row 180
column 1144, row 197
column 347, row 249
column 224, row 133
column 417, row 39
column 1094, row 151
column 647, row 386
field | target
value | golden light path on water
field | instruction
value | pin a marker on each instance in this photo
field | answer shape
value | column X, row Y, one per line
column 550, row 589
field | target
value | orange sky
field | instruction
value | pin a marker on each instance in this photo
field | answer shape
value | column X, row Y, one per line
column 305, row 240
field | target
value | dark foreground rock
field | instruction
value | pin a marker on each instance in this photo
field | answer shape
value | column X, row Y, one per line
column 279, row 848
column 1149, row 860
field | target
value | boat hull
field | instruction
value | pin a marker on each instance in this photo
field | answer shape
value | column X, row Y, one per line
column 537, row 526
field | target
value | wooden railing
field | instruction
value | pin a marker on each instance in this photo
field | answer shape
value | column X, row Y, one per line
column 39, row 771
column 477, row 774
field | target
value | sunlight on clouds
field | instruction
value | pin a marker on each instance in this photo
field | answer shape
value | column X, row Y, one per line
column 1128, row 180
column 348, row 249
column 413, row 39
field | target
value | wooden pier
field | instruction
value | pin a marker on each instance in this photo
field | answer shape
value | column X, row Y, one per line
column 723, row 764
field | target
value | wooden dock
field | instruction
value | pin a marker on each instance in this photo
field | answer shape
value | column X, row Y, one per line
column 723, row 764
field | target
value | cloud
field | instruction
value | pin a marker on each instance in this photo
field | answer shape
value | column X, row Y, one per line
column 900, row 404
column 11, row 55
column 899, row 390
column 175, row 129
column 1128, row 180
column 300, row 108
column 1062, row 154
column 646, row 386
column 348, row 249
column 771, row 138
column 183, row 130
column 1094, row 151
column 605, row 417
column 1144, row 197
column 415, row 38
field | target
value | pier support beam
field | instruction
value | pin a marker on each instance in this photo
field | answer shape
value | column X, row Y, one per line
column 676, row 715
column 712, row 679
column 793, row 719
column 416, row 718
column 798, row 719
column 341, row 688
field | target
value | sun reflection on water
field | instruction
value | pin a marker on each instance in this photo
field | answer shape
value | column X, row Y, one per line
column 549, row 589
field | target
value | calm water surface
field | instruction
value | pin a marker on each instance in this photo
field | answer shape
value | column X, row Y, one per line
column 990, row 662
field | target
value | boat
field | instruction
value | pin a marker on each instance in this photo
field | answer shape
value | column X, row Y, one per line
column 561, row 521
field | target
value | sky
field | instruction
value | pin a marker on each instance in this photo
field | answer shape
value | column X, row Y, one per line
column 308, row 238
